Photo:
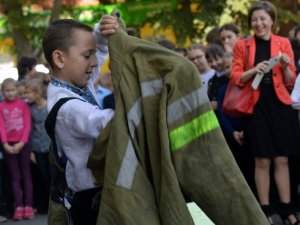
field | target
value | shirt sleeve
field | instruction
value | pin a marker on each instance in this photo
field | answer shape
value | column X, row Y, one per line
column 83, row 119
column 102, row 51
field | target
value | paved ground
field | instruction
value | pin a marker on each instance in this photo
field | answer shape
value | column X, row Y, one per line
column 42, row 220
column 38, row 220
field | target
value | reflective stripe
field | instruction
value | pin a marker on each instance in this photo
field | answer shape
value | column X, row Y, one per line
column 128, row 167
column 188, row 132
column 186, row 104
column 129, row 162
column 134, row 117
column 175, row 111
column 152, row 88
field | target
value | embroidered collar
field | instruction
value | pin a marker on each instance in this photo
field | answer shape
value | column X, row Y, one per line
column 64, row 84
column 83, row 92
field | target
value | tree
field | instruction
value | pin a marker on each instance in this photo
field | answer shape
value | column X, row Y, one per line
column 193, row 18
column 25, row 26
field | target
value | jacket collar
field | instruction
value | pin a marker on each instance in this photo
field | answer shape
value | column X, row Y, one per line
column 251, row 47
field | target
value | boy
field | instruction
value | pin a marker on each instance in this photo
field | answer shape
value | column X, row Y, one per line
column 75, row 52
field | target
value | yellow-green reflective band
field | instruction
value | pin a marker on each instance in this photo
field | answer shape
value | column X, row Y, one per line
column 188, row 132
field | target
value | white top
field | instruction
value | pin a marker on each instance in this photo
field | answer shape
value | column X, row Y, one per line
column 78, row 124
column 205, row 77
column 296, row 94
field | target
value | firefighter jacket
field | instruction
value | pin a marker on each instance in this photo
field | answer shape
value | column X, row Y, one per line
column 164, row 141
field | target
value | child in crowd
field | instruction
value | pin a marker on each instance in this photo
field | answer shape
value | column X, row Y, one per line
column 21, row 89
column 215, row 58
column 233, row 130
column 74, row 52
column 40, row 141
column 14, row 133
column 26, row 67
column 101, row 91
column 196, row 54
column 229, row 34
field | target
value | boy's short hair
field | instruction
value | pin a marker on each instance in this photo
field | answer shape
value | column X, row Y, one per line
column 59, row 36
column 214, row 51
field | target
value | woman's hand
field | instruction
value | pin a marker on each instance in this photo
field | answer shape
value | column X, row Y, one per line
column 285, row 61
column 108, row 25
column 261, row 67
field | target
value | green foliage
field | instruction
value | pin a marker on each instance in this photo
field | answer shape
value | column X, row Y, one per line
column 191, row 19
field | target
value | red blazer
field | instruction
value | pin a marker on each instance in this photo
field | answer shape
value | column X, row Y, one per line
column 243, row 59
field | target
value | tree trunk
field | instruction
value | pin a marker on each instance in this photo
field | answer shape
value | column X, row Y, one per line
column 56, row 10
column 15, row 20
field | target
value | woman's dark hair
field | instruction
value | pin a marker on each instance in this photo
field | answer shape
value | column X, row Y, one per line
column 268, row 7
column 59, row 36
column 213, row 51
column 25, row 63
column 230, row 26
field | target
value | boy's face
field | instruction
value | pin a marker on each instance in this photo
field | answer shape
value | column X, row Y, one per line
column 217, row 63
column 80, row 60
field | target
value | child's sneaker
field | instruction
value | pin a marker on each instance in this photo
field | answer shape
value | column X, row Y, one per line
column 28, row 213
column 18, row 214
column 3, row 219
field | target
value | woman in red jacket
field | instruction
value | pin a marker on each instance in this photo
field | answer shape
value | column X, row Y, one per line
column 272, row 131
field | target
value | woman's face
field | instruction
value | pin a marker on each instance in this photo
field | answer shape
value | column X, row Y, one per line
column 261, row 24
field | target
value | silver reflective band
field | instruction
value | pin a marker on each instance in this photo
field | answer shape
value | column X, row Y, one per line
column 152, row 88
column 186, row 104
column 134, row 117
column 129, row 162
column 128, row 167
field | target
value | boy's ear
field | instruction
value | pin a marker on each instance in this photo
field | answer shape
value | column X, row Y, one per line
column 57, row 57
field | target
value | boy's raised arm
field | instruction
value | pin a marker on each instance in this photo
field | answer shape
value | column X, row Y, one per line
column 107, row 25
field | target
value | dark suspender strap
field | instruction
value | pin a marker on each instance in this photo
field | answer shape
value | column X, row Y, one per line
column 50, row 128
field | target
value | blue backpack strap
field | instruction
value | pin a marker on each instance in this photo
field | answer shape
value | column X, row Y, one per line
column 50, row 128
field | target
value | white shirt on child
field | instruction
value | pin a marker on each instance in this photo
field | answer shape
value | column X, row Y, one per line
column 296, row 96
column 78, row 124
column 205, row 77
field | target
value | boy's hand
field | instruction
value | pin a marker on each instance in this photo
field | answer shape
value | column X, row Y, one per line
column 108, row 25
